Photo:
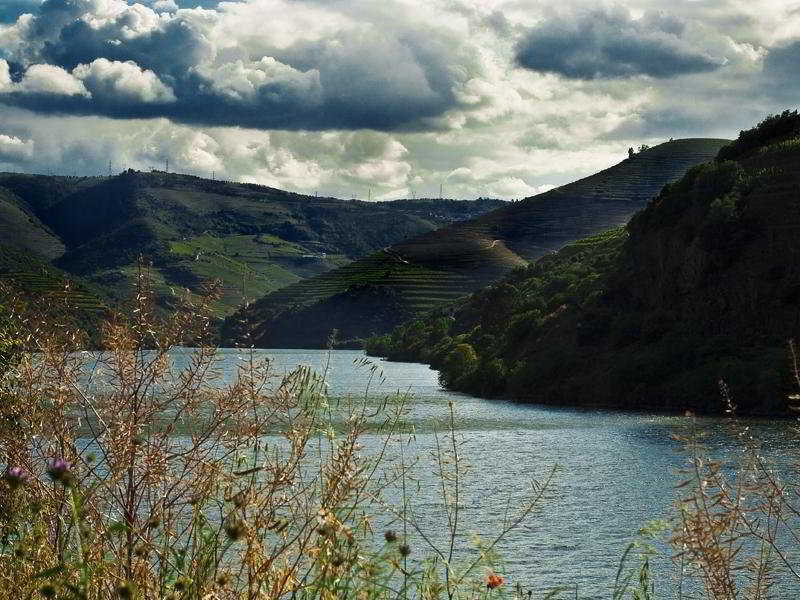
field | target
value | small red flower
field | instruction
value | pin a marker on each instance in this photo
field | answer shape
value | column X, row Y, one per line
column 493, row 580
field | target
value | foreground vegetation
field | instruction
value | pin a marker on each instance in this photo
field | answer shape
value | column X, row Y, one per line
column 143, row 472
column 701, row 286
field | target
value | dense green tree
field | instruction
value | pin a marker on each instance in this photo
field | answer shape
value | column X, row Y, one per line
column 701, row 286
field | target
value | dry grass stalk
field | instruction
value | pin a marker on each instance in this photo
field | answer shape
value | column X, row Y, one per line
column 738, row 522
column 145, row 471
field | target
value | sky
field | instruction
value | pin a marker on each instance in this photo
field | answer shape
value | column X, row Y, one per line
column 383, row 98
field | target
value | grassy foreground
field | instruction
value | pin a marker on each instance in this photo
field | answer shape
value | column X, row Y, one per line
column 139, row 475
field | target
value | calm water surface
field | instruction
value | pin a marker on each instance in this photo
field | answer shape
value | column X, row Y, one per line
column 617, row 471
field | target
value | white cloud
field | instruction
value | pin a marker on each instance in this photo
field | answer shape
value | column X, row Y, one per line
column 165, row 6
column 245, row 81
column 122, row 81
column 5, row 75
column 14, row 149
column 394, row 96
column 49, row 79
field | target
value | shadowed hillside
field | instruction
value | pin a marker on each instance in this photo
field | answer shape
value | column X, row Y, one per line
column 438, row 267
column 252, row 238
column 701, row 287
column 34, row 281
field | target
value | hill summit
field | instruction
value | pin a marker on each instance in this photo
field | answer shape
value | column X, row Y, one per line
column 693, row 305
column 377, row 292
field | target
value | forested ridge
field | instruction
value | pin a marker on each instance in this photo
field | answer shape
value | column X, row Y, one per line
column 375, row 293
column 699, row 292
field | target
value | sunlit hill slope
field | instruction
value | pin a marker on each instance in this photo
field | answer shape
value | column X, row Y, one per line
column 253, row 239
column 375, row 293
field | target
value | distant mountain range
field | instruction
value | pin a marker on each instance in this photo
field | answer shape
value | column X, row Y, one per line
column 252, row 238
column 375, row 293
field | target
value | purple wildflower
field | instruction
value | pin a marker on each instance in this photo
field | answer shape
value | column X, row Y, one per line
column 59, row 470
column 15, row 476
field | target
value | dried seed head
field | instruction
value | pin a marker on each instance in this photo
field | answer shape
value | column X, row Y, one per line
column 48, row 590
column 235, row 529
column 182, row 584
column 404, row 549
column 223, row 579
column 153, row 522
column 390, row 536
column 126, row 590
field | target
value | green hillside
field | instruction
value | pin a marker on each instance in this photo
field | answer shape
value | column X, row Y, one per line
column 19, row 223
column 435, row 268
column 37, row 282
column 702, row 286
column 253, row 238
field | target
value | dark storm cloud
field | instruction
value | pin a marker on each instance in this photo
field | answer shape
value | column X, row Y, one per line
column 373, row 78
column 610, row 44
column 780, row 75
column 675, row 122
column 170, row 50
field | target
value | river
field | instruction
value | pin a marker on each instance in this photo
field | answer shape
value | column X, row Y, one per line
column 616, row 472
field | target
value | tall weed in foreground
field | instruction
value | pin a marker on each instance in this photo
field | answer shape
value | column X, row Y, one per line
column 144, row 472
column 738, row 525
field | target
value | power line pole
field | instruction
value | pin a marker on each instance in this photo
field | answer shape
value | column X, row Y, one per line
column 441, row 186
column 369, row 195
column 166, row 166
column 109, row 168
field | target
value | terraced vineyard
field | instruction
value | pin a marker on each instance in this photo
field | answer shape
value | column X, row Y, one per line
column 420, row 285
column 22, row 273
column 252, row 239
column 438, row 267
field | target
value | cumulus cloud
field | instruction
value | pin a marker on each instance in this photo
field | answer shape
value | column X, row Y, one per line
column 610, row 43
column 41, row 80
column 14, row 149
column 395, row 97
column 379, row 74
column 165, row 6
column 125, row 82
